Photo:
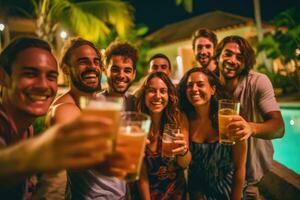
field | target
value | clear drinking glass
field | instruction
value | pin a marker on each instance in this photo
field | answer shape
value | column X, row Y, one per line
column 131, row 141
column 227, row 109
column 104, row 106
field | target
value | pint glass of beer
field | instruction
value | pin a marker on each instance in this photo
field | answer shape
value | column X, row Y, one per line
column 227, row 109
column 109, row 107
column 169, row 136
column 131, row 141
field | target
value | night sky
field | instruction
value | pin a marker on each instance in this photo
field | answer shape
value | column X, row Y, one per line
column 158, row 13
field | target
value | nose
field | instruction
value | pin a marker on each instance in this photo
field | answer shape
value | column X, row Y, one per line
column 157, row 94
column 233, row 59
column 194, row 87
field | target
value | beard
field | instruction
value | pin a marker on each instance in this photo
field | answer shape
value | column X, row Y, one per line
column 200, row 60
column 83, row 87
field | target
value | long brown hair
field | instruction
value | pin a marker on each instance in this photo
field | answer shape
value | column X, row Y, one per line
column 171, row 112
column 186, row 106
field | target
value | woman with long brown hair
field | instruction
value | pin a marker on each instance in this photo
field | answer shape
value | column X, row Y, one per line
column 162, row 178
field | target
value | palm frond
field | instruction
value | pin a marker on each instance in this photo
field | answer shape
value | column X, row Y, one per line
column 82, row 23
column 114, row 12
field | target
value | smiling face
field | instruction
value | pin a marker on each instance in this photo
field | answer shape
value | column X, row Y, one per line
column 231, row 62
column 32, row 85
column 85, row 69
column 160, row 65
column 204, row 50
column 120, row 74
column 198, row 90
column 156, row 95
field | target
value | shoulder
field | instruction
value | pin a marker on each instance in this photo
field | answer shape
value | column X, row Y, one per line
column 255, row 77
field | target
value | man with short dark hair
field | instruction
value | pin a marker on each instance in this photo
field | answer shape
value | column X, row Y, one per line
column 29, row 79
column 204, row 42
column 160, row 63
column 260, row 118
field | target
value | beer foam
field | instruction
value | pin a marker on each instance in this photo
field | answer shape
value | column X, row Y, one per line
column 104, row 105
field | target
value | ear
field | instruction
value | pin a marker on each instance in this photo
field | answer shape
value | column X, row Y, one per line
column 4, row 77
column 65, row 69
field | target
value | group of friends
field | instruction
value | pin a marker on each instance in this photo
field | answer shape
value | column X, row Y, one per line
column 202, row 168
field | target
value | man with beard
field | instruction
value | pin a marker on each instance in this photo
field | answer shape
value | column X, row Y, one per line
column 120, row 62
column 260, row 118
column 82, row 64
column 28, row 74
column 204, row 42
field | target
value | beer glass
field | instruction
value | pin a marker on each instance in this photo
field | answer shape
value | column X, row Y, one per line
column 169, row 136
column 227, row 109
column 104, row 106
column 131, row 141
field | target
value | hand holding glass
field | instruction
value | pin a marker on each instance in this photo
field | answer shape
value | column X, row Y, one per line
column 131, row 141
column 227, row 109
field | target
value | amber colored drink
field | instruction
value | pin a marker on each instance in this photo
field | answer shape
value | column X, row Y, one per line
column 108, row 110
column 132, row 144
column 225, row 116
column 167, row 147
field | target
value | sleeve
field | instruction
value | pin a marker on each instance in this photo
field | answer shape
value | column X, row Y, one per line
column 265, row 93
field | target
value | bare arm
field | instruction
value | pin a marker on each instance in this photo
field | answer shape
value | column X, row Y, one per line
column 183, row 157
column 72, row 145
column 143, row 183
column 271, row 128
column 239, row 154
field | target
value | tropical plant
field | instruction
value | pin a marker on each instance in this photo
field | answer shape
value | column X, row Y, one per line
column 283, row 43
column 187, row 4
column 91, row 19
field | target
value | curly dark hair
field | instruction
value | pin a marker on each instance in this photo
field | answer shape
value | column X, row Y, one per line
column 247, row 51
column 206, row 33
column 9, row 54
column 185, row 105
column 72, row 44
column 171, row 113
column 120, row 48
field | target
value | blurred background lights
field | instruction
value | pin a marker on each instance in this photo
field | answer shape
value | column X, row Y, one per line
column 63, row 34
column 292, row 122
column 2, row 27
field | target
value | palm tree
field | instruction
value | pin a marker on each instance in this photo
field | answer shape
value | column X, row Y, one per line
column 91, row 19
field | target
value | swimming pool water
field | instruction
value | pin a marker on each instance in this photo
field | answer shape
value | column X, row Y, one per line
column 287, row 149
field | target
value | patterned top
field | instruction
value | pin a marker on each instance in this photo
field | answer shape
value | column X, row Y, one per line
column 211, row 171
column 166, row 178
column 9, row 136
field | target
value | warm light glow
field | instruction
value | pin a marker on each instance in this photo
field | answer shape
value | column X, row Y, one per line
column 2, row 27
column 179, row 67
column 63, row 34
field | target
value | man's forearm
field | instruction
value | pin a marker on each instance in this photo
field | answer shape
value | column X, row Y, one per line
column 13, row 162
column 270, row 129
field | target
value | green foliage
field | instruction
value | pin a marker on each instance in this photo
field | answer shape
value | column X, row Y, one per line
column 283, row 42
column 187, row 4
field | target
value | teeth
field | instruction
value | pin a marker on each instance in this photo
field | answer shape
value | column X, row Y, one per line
column 156, row 103
column 90, row 75
column 38, row 97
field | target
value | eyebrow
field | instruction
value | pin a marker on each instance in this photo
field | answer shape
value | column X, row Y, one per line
column 29, row 68
column 86, row 58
